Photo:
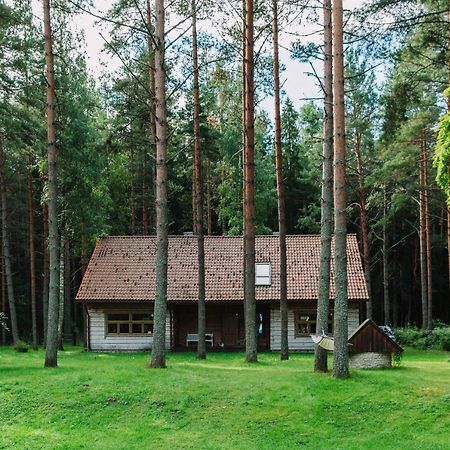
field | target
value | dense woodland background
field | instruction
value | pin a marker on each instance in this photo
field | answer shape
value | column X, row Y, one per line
column 397, row 69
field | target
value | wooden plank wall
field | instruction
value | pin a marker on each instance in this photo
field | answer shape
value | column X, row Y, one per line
column 302, row 343
column 100, row 341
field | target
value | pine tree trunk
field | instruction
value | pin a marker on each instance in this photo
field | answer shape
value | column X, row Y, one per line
column 61, row 296
column 7, row 250
column 340, row 360
column 326, row 226
column 363, row 220
column 422, row 241
column 68, row 321
column 201, row 347
column 208, row 200
column 158, row 359
column 284, row 352
column 133, row 194
column 249, row 196
column 428, row 239
column 51, row 354
column 45, row 275
column 151, row 84
column 244, row 115
column 448, row 251
column 144, row 195
column 387, row 303
column 3, row 294
column 32, row 253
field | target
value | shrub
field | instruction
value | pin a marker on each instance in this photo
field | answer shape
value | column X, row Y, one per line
column 21, row 347
column 438, row 338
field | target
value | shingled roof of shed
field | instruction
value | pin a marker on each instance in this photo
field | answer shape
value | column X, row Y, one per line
column 123, row 268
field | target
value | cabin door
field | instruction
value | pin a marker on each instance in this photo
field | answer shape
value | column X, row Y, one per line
column 230, row 330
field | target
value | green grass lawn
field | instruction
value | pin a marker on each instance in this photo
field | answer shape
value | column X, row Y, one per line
column 112, row 401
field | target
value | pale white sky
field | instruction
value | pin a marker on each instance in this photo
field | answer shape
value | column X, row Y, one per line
column 296, row 83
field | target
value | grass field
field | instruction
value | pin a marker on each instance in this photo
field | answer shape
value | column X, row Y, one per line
column 112, row 401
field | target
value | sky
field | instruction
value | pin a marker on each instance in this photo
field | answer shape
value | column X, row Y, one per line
column 296, row 83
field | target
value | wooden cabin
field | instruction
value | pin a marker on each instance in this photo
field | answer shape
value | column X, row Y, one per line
column 371, row 348
column 118, row 291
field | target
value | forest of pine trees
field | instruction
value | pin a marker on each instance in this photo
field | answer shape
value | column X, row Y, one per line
column 179, row 138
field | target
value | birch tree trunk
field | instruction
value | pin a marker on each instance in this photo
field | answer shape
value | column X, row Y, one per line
column 51, row 355
column 284, row 353
column 32, row 251
column 7, row 250
column 326, row 225
column 158, row 359
column 340, row 360
column 249, row 196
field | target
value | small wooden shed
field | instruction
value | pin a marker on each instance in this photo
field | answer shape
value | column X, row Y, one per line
column 371, row 347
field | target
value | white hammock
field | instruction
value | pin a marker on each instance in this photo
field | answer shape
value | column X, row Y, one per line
column 323, row 341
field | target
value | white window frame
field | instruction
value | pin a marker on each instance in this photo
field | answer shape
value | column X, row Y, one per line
column 263, row 280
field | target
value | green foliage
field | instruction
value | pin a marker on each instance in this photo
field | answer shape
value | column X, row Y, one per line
column 21, row 347
column 438, row 338
column 442, row 154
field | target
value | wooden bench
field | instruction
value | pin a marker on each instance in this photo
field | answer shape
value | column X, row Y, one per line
column 193, row 338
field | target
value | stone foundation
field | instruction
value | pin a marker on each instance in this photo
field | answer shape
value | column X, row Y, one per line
column 370, row 360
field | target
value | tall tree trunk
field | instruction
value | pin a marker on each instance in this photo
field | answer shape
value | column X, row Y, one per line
column 3, row 294
column 201, row 348
column 32, row 253
column 249, row 197
column 244, row 115
column 68, row 321
column 208, row 200
column 428, row 238
column 159, row 333
column 151, row 82
column 133, row 194
column 448, row 251
column 387, row 303
column 340, row 360
column 61, row 296
column 84, row 263
column 326, row 226
column 363, row 221
column 422, row 240
column 144, row 195
column 7, row 250
column 284, row 353
column 448, row 199
column 51, row 354
column 45, row 270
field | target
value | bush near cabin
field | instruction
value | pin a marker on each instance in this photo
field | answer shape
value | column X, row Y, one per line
column 438, row 338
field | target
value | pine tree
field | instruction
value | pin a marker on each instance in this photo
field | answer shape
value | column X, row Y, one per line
column 340, row 360
column 158, row 359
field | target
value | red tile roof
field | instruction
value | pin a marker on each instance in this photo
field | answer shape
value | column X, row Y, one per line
column 123, row 268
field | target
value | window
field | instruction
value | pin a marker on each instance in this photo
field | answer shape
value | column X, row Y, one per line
column 138, row 323
column 263, row 274
column 306, row 321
